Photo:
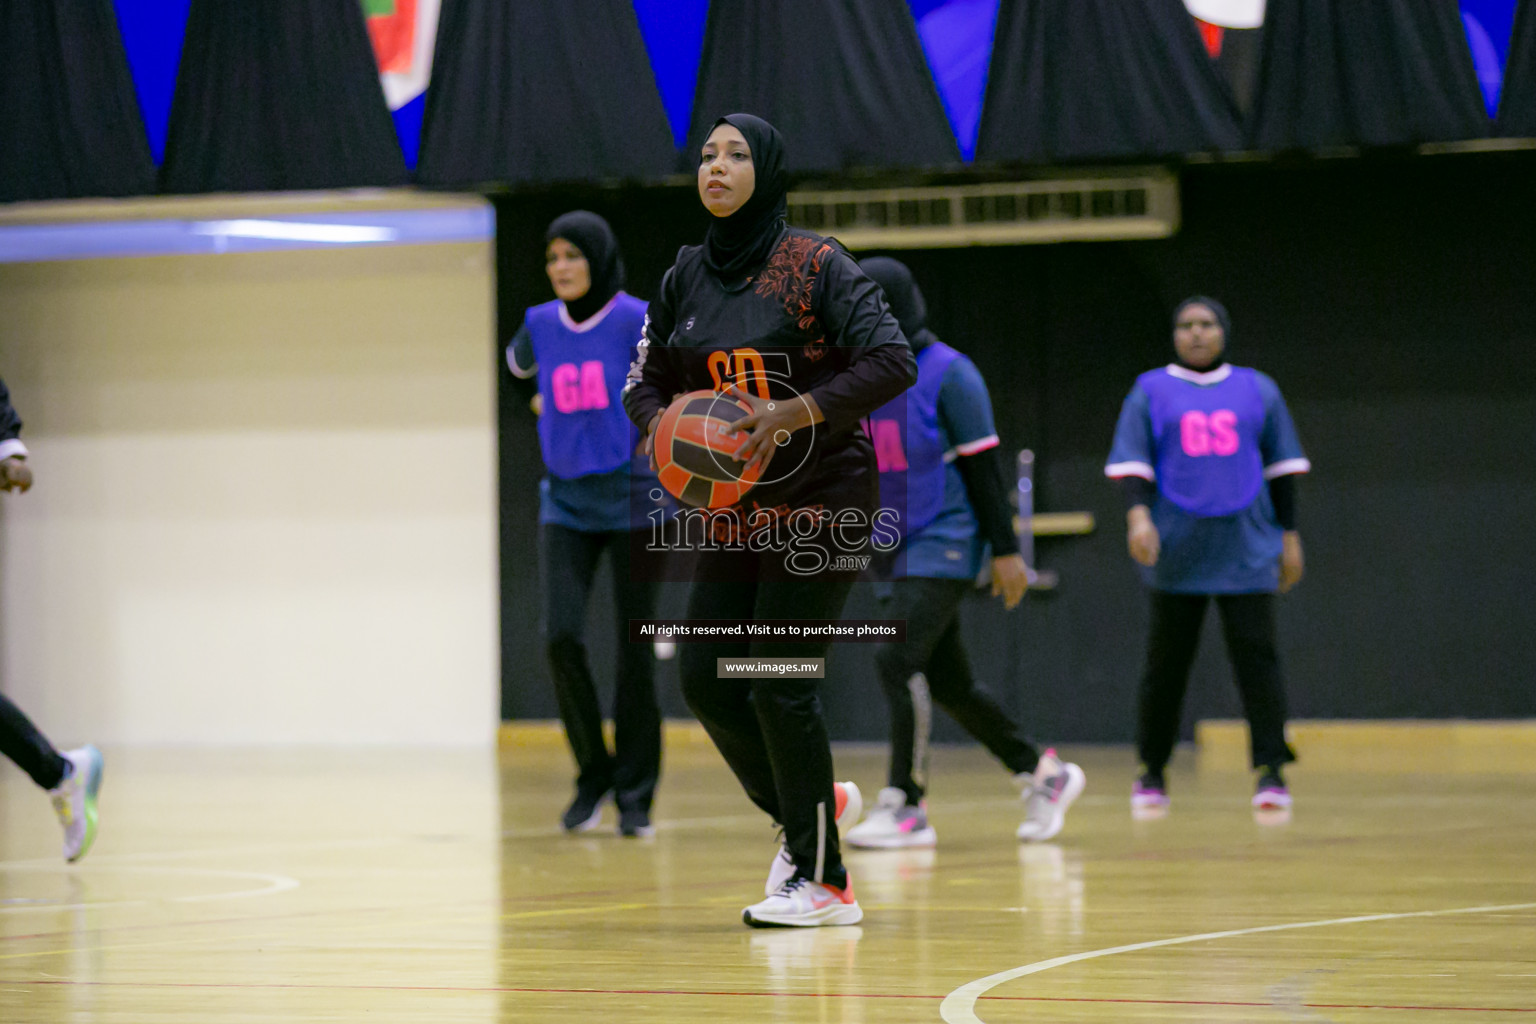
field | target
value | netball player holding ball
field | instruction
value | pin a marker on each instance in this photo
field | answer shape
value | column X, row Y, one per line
column 1208, row 457
column 783, row 323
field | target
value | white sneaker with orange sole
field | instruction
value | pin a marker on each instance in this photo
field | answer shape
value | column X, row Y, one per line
column 802, row 903
column 850, row 804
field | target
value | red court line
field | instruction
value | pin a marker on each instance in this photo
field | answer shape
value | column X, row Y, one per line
column 496, row 989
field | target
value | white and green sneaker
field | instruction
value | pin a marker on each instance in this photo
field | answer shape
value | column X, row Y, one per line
column 75, row 801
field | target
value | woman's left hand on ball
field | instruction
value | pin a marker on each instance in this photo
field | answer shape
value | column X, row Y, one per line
column 771, row 424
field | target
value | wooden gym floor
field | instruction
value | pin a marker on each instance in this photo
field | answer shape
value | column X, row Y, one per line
column 410, row 886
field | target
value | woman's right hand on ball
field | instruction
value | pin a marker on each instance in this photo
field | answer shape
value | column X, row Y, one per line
column 1142, row 537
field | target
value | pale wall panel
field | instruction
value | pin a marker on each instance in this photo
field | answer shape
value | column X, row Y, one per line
column 265, row 502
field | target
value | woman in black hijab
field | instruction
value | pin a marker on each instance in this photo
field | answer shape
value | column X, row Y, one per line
column 594, row 498
column 949, row 487
column 1207, row 455
column 784, row 320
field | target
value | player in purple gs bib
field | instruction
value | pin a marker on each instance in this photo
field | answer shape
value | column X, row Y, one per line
column 1207, row 456
column 593, row 498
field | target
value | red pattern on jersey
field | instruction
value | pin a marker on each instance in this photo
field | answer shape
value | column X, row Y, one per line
column 790, row 277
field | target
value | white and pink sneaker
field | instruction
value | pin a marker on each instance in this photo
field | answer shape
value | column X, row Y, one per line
column 1047, row 793
column 893, row 824
column 1149, row 794
column 1271, row 793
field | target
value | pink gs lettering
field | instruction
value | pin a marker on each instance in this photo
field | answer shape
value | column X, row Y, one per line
column 1215, row 434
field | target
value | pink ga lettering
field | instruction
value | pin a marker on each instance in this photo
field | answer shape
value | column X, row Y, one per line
column 889, row 453
column 577, row 389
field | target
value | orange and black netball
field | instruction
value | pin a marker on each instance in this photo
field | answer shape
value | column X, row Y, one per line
column 694, row 443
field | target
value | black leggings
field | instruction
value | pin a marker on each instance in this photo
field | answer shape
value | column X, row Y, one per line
column 1248, row 622
column 932, row 666
column 770, row 731
column 21, row 741
column 570, row 561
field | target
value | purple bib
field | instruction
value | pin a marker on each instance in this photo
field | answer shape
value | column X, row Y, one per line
column 909, row 447
column 583, row 429
column 1206, row 438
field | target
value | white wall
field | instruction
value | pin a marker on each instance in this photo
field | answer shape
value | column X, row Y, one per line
column 265, row 501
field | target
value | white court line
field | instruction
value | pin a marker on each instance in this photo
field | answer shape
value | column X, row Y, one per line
column 959, row 1007
column 226, row 851
column 274, row 885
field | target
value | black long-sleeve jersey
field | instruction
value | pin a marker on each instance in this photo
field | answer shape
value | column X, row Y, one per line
column 808, row 323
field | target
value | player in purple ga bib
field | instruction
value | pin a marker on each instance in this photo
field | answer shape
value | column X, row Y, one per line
column 1207, row 456
column 594, row 498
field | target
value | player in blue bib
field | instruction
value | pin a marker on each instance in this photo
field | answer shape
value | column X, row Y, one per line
column 937, row 451
column 594, row 497
column 1208, row 456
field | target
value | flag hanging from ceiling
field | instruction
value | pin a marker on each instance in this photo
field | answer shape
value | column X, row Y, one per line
column 404, row 34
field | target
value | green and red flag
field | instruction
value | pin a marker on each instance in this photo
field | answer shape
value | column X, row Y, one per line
column 404, row 33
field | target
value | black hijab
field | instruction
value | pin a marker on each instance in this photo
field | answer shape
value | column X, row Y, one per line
column 739, row 244
column 592, row 235
column 903, row 296
column 1222, row 318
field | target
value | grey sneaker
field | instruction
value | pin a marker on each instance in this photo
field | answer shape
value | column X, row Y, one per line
column 585, row 812
column 636, row 823
column 74, row 801
column 893, row 824
column 1047, row 794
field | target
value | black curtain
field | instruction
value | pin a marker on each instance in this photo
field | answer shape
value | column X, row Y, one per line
column 541, row 92
column 69, row 121
column 846, row 83
column 275, row 95
column 1517, row 102
column 1082, row 79
column 1242, row 50
column 1351, row 305
column 1347, row 73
